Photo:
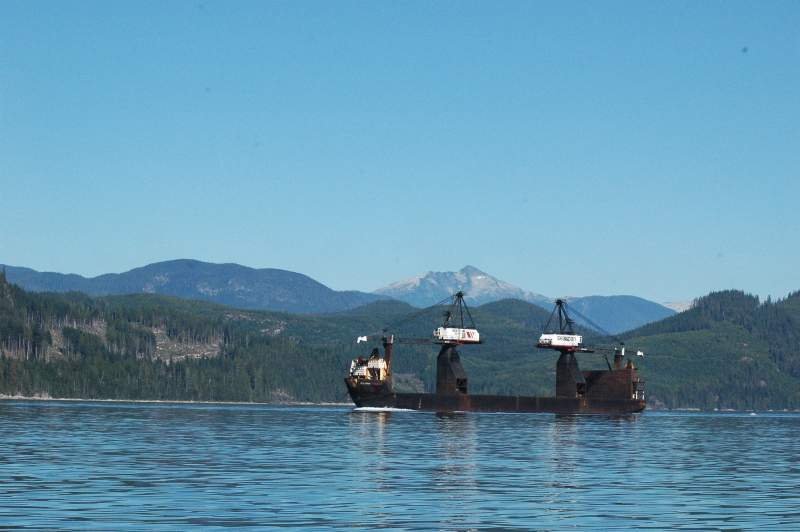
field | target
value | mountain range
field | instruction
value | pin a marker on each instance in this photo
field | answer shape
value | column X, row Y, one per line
column 607, row 313
column 228, row 284
column 281, row 290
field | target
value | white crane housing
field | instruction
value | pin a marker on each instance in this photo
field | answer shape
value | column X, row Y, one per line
column 560, row 340
column 457, row 335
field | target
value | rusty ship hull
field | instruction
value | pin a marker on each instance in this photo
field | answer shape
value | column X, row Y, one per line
column 615, row 391
column 365, row 397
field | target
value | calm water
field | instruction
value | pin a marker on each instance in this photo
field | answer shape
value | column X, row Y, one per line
column 116, row 465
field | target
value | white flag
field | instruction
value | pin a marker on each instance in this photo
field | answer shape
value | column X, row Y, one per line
column 361, row 339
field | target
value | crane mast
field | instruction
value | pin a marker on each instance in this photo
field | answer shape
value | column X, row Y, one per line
column 458, row 328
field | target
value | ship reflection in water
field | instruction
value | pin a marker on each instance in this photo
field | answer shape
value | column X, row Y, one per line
column 456, row 450
column 116, row 466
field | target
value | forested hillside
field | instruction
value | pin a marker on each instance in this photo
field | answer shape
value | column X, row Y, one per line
column 156, row 347
column 727, row 352
column 153, row 347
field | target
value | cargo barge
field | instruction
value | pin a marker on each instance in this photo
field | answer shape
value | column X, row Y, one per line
column 613, row 391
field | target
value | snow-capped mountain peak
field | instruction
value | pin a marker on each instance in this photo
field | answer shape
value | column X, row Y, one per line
column 478, row 286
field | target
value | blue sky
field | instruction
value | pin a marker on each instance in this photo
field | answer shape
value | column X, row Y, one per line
column 648, row 148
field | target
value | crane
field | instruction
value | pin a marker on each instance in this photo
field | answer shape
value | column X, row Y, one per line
column 559, row 335
column 458, row 328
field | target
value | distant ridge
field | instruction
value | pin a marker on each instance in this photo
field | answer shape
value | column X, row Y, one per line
column 617, row 314
column 281, row 290
column 614, row 314
column 229, row 284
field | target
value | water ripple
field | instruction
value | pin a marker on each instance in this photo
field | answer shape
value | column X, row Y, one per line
column 67, row 465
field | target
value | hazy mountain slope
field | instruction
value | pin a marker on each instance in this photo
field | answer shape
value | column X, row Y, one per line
column 479, row 287
column 616, row 314
column 229, row 284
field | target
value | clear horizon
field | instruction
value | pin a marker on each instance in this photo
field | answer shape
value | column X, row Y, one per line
column 649, row 149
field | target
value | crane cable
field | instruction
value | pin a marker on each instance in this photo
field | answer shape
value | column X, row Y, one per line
column 604, row 332
column 595, row 326
column 412, row 316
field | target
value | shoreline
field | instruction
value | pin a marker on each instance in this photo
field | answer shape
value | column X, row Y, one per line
column 4, row 397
